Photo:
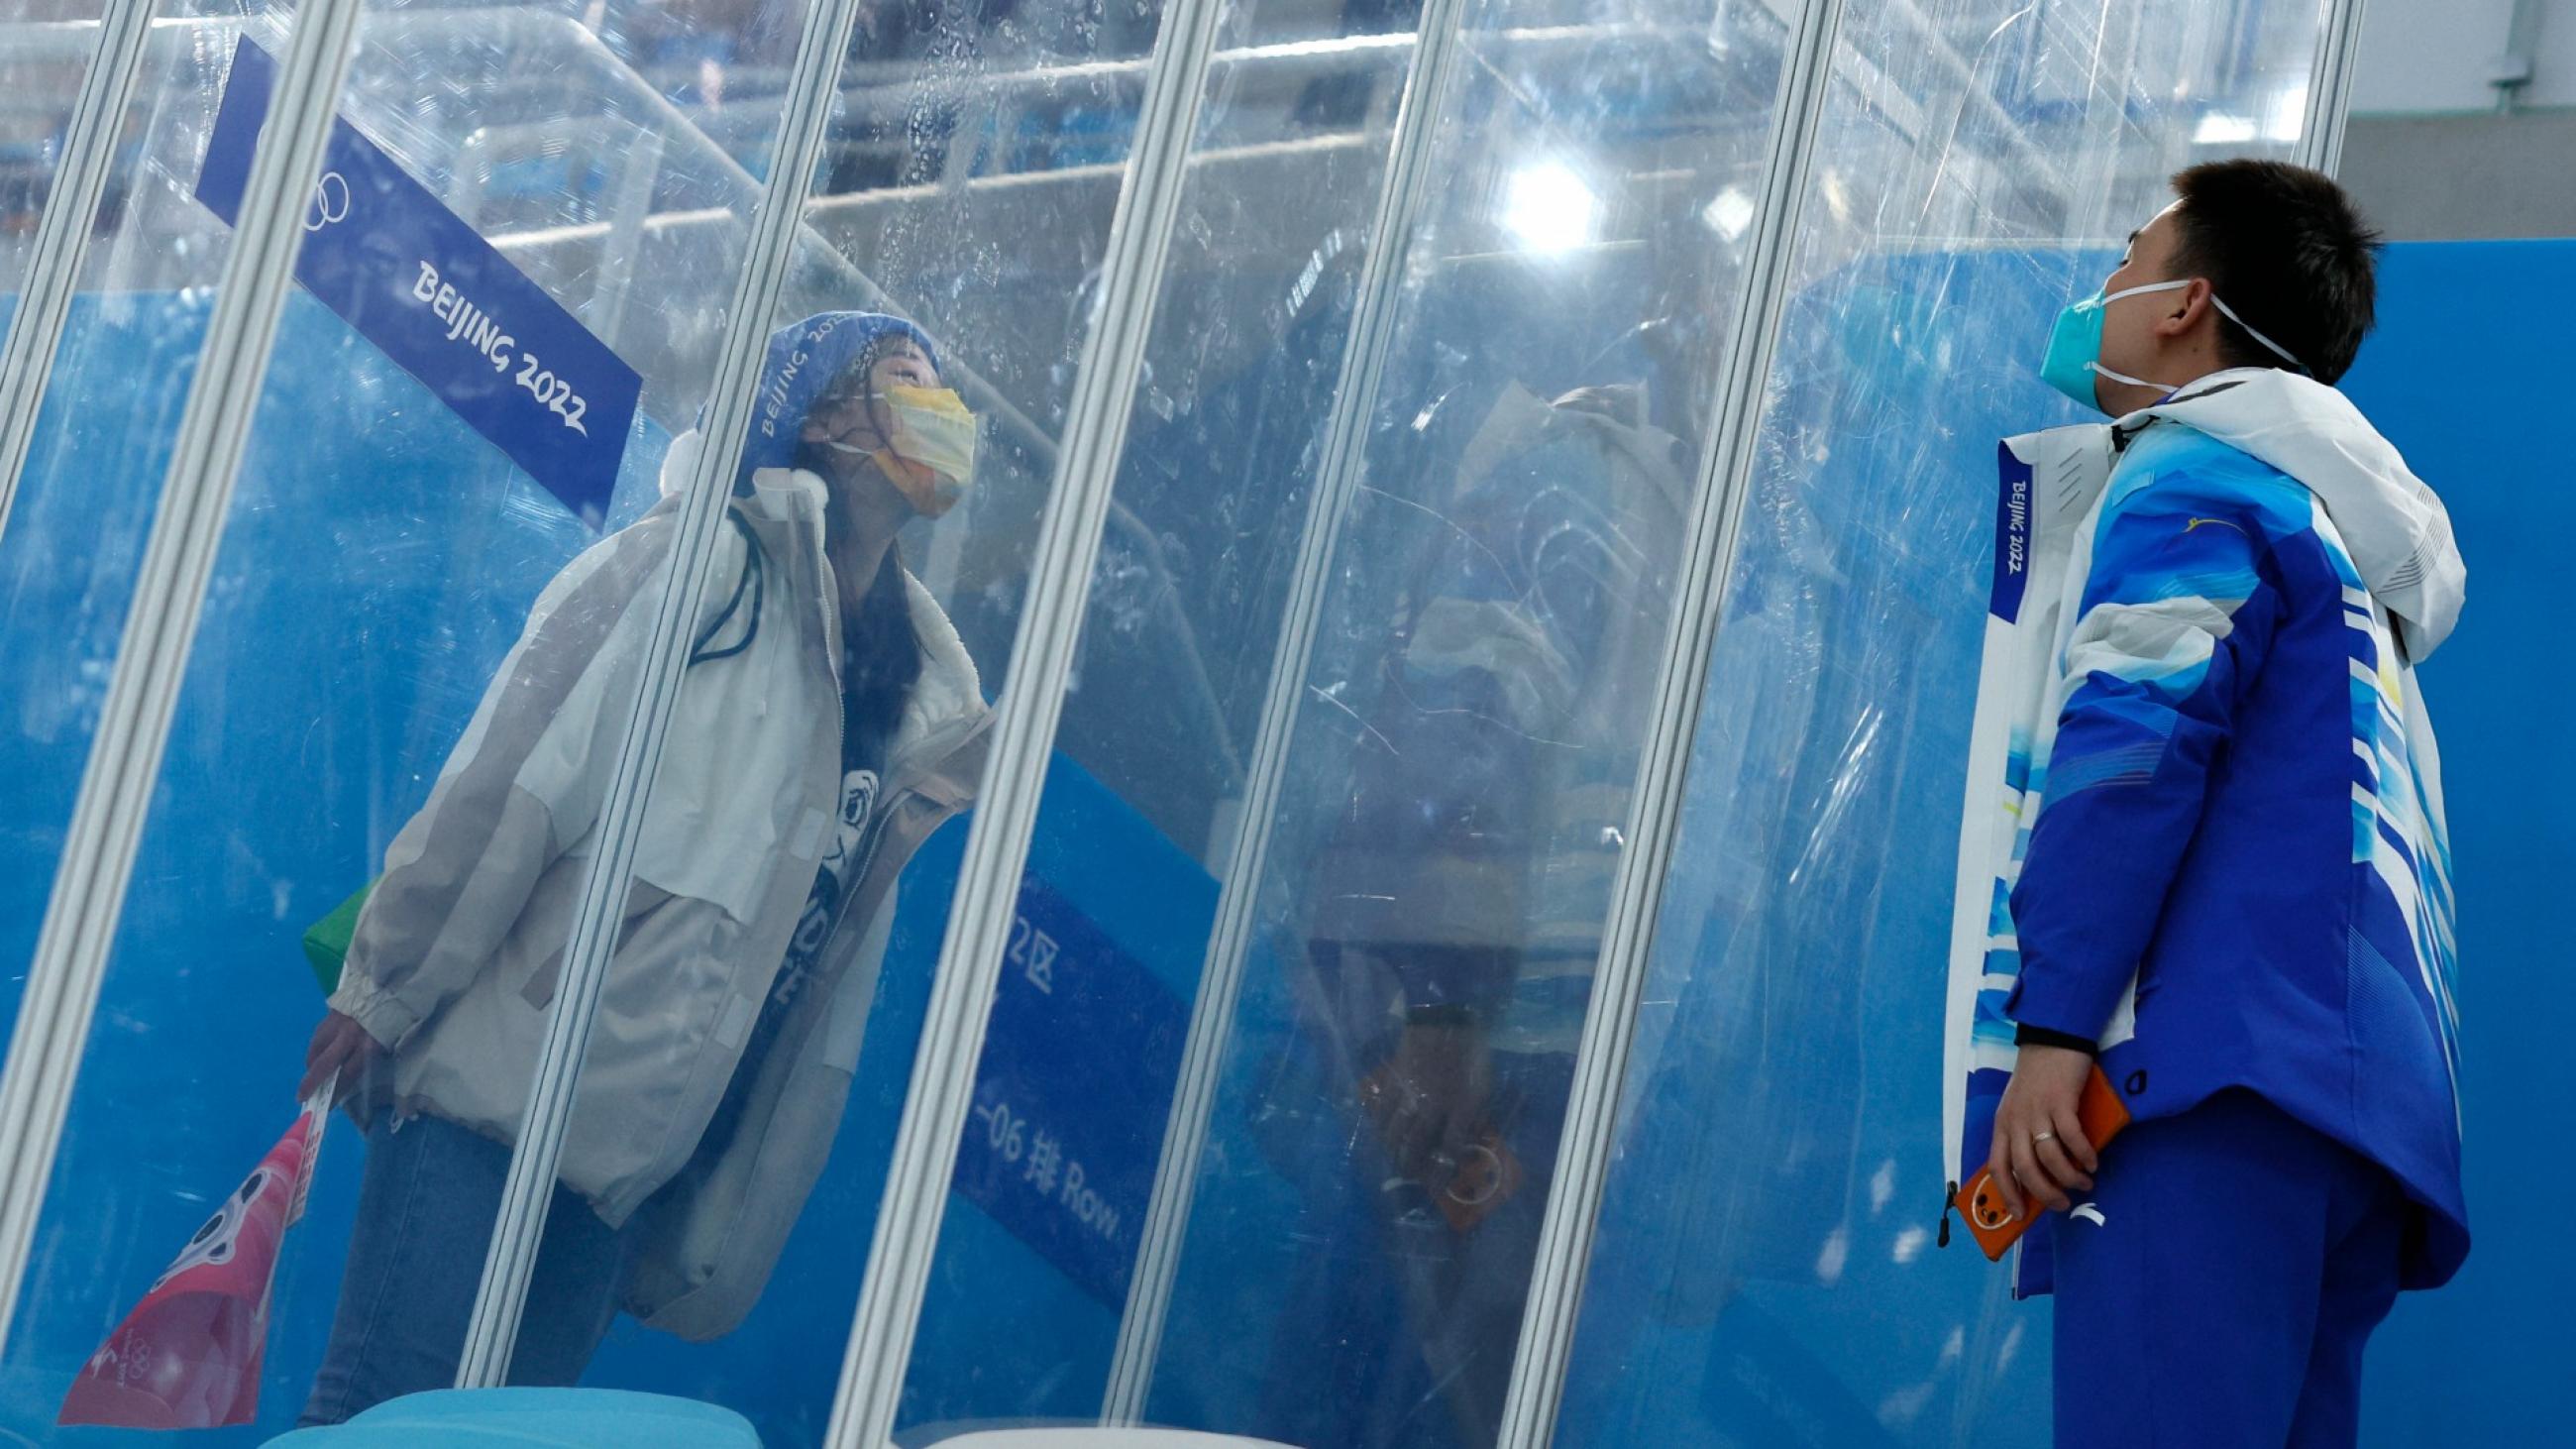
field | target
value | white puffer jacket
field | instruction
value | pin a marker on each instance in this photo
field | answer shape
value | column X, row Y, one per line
column 456, row 955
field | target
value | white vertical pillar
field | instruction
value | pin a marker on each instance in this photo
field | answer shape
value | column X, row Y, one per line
column 1158, row 1253
column 979, row 924
column 1564, row 1256
column 2330, row 86
column 529, row 1188
column 62, row 236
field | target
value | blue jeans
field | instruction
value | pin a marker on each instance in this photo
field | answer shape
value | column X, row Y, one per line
column 426, row 1206
column 2219, row 1290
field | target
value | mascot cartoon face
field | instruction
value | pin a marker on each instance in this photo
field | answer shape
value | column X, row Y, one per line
column 214, row 1243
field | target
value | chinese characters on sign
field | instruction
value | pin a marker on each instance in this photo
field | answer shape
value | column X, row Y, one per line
column 1071, row 1093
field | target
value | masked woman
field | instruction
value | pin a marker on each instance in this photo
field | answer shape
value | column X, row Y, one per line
column 829, row 720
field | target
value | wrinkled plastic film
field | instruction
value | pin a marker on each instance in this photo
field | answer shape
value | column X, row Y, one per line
column 1779, row 1178
column 1229, row 941
column 53, row 264
column 71, row 954
column 1547, row 1324
column 598, row 923
column 937, row 1107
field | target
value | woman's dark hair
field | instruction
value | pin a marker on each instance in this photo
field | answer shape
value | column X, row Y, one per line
column 880, row 664
column 2287, row 248
column 880, row 653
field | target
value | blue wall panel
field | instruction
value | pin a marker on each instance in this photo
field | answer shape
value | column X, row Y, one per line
column 2466, row 377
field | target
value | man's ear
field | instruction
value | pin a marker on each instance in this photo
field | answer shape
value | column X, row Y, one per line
column 2188, row 309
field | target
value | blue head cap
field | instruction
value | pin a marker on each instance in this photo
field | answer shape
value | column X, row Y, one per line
column 803, row 360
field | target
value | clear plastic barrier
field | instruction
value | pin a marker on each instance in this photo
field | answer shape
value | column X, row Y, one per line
column 45, row 48
column 424, row 637
column 409, row 489
column 1766, row 1271
column 1053, row 1190
column 84, row 500
column 748, row 1064
column 1467, row 732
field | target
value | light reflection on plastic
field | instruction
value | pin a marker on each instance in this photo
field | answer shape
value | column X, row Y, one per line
column 1730, row 214
column 2218, row 128
column 1548, row 208
column 2288, row 115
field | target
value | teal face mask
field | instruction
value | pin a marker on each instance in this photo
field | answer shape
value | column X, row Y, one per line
column 2075, row 345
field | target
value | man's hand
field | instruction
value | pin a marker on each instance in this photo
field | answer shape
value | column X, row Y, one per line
column 1429, row 1098
column 341, row 1048
column 2039, row 1148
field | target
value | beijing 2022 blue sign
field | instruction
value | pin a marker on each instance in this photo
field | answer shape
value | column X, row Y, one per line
column 414, row 279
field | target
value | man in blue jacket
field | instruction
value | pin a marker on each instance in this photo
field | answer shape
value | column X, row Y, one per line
column 2236, row 895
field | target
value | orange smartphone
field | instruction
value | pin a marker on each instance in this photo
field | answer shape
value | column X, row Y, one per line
column 1483, row 1182
column 1484, row 1178
column 2101, row 1114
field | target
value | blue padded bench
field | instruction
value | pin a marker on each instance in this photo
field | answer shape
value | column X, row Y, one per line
column 533, row 1419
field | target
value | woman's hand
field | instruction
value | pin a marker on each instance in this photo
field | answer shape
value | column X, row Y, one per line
column 341, row 1049
column 2039, row 1150
column 1430, row 1097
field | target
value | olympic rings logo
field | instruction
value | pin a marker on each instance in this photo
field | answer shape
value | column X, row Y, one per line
column 330, row 202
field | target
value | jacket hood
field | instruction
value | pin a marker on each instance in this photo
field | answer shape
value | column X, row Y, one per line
column 802, row 360
column 2398, row 531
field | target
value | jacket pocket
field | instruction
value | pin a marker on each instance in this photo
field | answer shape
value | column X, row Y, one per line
column 642, row 899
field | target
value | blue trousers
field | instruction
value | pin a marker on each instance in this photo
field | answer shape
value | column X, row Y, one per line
column 426, row 1204
column 2219, row 1289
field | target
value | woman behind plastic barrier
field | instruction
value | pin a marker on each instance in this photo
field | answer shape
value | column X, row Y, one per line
column 1455, row 910
column 829, row 721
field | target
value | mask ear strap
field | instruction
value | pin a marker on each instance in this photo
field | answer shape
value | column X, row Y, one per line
column 2282, row 352
column 2149, row 287
column 2124, row 377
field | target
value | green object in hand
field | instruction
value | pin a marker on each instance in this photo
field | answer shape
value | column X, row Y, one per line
column 326, row 941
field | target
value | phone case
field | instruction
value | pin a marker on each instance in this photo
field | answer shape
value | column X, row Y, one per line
column 2100, row 1113
column 1484, row 1181
column 1485, row 1178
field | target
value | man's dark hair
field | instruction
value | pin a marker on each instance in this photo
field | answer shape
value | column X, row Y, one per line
column 2287, row 248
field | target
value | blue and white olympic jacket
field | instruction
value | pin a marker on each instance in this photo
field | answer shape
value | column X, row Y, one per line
column 2204, row 822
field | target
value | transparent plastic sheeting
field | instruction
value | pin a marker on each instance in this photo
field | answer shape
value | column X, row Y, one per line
column 1765, row 1271
column 1001, row 280
column 1458, row 769
column 76, row 532
column 379, row 558
column 1468, row 733
column 38, row 80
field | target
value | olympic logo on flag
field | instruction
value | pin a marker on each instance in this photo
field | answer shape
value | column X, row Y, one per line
column 330, row 202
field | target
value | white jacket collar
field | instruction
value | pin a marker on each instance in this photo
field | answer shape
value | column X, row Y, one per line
column 950, row 690
column 2397, row 529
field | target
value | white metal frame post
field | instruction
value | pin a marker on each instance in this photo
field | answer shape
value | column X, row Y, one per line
column 2330, row 86
column 1566, row 1239
column 160, row 625
column 979, row 925
column 1382, row 271
column 527, row 1192
column 1564, row 1254
column 62, row 234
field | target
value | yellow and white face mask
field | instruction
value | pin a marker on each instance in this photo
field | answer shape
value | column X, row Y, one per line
column 931, row 428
